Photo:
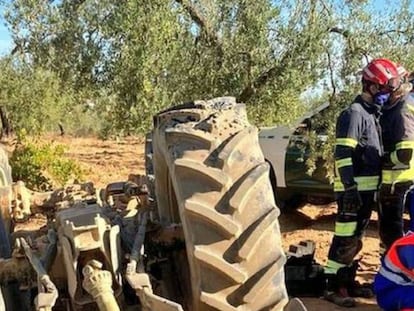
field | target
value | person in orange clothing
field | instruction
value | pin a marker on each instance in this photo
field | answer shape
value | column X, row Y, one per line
column 394, row 282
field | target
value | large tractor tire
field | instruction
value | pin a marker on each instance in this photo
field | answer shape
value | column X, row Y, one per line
column 210, row 176
column 10, row 298
column 5, row 196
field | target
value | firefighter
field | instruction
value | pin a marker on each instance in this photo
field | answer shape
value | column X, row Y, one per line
column 358, row 154
column 394, row 283
column 397, row 123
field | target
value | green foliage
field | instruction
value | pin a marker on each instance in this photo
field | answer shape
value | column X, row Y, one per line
column 323, row 151
column 42, row 166
column 36, row 101
column 147, row 55
column 133, row 58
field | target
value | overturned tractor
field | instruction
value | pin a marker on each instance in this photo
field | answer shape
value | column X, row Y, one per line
column 208, row 239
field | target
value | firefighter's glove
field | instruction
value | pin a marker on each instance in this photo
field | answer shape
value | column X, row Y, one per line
column 352, row 200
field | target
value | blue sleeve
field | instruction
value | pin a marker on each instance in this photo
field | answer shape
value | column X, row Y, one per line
column 348, row 126
column 406, row 255
column 404, row 131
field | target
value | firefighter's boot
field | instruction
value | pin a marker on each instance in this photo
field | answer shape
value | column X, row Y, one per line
column 355, row 289
column 337, row 289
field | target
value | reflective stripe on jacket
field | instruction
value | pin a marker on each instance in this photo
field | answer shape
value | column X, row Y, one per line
column 398, row 138
column 358, row 149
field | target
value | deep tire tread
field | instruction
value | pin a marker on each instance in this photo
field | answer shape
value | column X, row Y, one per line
column 222, row 222
column 203, row 139
column 216, row 302
column 250, row 245
column 267, row 277
column 209, row 258
column 239, row 141
column 236, row 209
column 216, row 176
column 240, row 199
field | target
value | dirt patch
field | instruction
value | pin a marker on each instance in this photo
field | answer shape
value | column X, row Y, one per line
column 107, row 161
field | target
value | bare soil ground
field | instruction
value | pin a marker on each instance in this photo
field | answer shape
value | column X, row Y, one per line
column 110, row 161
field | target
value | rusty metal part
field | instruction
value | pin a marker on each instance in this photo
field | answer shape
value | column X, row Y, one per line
column 85, row 234
column 21, row 201
column 49, row 253
column 125, row 195
column 128, row 188
column 33, row 259
column 137, row 248
column 46, row 298
column 25, row 202
column 98, row 283
column 48, row 292
column 168, row 235
column 140, row 282
column 15, row 268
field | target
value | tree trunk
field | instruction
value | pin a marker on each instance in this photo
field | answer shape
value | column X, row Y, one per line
column 5, row 123
column 61, row 129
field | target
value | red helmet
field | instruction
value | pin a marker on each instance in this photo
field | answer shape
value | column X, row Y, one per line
column 382, row 71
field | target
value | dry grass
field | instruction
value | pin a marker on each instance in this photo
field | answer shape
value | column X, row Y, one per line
column 103, row 161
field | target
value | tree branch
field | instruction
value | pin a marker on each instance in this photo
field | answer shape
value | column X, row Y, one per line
column 331, row 74
column 205, row 27
column 199, row 19
column 260, row 81
column 77, row 3
column 390, row 31
column 346, row 33
column 340, row 31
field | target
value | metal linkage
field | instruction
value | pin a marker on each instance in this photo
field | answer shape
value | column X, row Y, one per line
column 48, row 292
